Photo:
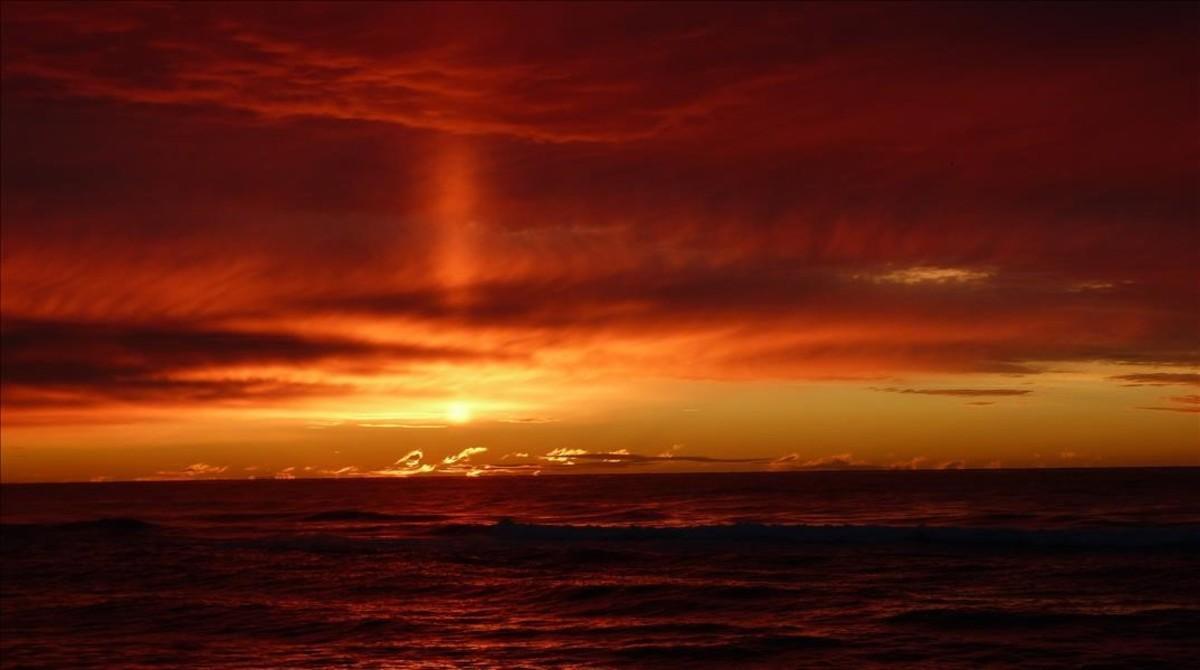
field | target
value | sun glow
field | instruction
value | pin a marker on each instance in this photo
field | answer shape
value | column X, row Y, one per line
column 458, row 413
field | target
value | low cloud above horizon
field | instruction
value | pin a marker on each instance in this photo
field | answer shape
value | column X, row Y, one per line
column 322, row 235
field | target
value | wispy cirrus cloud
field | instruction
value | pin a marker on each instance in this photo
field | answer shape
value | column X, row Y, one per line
column 1188, row 404
column 960, row 393
column 931, row 275
column 1159, row 379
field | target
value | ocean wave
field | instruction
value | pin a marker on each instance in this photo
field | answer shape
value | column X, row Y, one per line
column 243, row 517
column 982, row 618
column 146, row 614
column 328, row 516
column 349, row 515
column 106, row 525
column 656, row 600
column 432, row 526
column 728, row 652
column 642, row 592
column 1091, row 538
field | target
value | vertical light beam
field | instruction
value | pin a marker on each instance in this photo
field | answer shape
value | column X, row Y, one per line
column 454, row 206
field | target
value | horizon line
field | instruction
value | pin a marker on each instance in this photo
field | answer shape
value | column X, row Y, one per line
column 605, row 474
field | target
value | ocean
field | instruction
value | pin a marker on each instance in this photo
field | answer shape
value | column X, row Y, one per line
column 858, row 569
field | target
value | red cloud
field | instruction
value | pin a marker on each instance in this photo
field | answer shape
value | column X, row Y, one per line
column 759, row 199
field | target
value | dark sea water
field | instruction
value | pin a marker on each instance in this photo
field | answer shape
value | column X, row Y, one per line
column 965, row 569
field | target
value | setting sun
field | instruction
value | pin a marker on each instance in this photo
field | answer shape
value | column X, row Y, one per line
column 458, row 413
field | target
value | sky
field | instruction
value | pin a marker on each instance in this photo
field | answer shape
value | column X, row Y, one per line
column 260, row 240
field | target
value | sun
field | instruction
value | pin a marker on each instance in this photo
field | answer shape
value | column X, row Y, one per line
column 458, row 412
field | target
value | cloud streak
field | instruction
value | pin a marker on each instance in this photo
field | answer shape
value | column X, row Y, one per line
column 74, row 363
column 960, row 393
column 1159, row 379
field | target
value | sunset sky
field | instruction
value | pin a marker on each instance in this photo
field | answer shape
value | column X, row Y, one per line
column 341, row 239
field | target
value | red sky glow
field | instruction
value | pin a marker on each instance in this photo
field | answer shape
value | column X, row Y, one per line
column 262, row 240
